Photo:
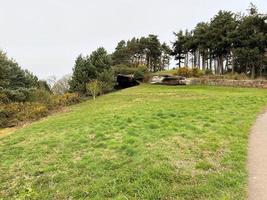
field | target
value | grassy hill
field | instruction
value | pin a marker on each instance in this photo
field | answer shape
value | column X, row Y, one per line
column 147, row 142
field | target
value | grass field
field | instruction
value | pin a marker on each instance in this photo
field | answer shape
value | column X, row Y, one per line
column 147, row 142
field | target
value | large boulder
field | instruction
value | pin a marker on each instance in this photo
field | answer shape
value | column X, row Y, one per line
column 169, row 80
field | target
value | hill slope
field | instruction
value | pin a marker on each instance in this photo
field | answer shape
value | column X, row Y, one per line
column 147, row 142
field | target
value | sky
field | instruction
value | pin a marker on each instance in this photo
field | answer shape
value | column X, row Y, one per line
column 46, row 36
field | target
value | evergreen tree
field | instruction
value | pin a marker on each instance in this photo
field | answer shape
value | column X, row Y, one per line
column 228, row 42
column 89, row 68
column 146, row 51
column 100, row 59
column 83, row 72
column 120, row 55
column 222, row 27
column 250, row 43
column 179, row 48
column 13, row 77
column 165, row 56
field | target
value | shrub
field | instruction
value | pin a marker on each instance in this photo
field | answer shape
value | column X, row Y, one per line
column 107, row 80
column 13, row 113
column 140, row 73
column 185, row 72
column 196, row 72
column 3, row 97
column 69, row 99
column 124, row 69
column 147, row 77
column 188, row 72
column 208, row 72
column 41, row 96
column 43, row 85
column 236, row 76
column 34, row 111
column 7, row 115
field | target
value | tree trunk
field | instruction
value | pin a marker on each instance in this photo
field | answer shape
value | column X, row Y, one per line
column 221, row 70
column 199, row 59
column 217, row 67
column 185, row 60
column 210, row 62
column 195, row 59
column 253, row 72
column 179, row 60
column 186, row 65
column 233, row 64
column 192, row 59
column 203, row 62
column 149, row 63
column 228, row 63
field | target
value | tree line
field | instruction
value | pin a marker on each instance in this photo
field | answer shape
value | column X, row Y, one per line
column 145, row 51
column 137, row 56
column 229, row 42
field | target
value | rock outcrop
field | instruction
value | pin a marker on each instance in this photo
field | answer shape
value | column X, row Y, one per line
column 125, row 81
column 169, row 80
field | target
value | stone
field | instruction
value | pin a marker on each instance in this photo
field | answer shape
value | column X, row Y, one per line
column 169, row 80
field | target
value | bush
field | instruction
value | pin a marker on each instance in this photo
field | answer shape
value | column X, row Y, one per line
column 189, row 72
column 236, row 76
column 13, row 113
column 208, row 72
column 197, row 72
column 124, row 69
column 67, row 99
column 7, row 115
column 40, row 96
column 107, row 80
column 141, row 73
column 3, row 97
column 147, row 78
column 34, row 111
column 184, row 71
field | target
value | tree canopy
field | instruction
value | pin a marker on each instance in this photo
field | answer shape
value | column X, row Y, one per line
column 89, row 68
column 228, row 42
column 145, row 51
column 13, row 77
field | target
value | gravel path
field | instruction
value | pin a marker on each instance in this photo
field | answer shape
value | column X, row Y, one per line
column 257, row 160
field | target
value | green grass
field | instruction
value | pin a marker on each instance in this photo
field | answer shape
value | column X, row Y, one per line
column 147, row 142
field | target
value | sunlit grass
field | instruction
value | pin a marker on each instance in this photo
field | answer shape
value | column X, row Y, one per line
column 147, row 142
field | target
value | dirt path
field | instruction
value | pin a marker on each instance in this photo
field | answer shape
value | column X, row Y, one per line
column 257, row 160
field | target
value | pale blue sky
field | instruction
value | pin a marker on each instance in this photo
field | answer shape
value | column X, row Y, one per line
column 46, row 36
